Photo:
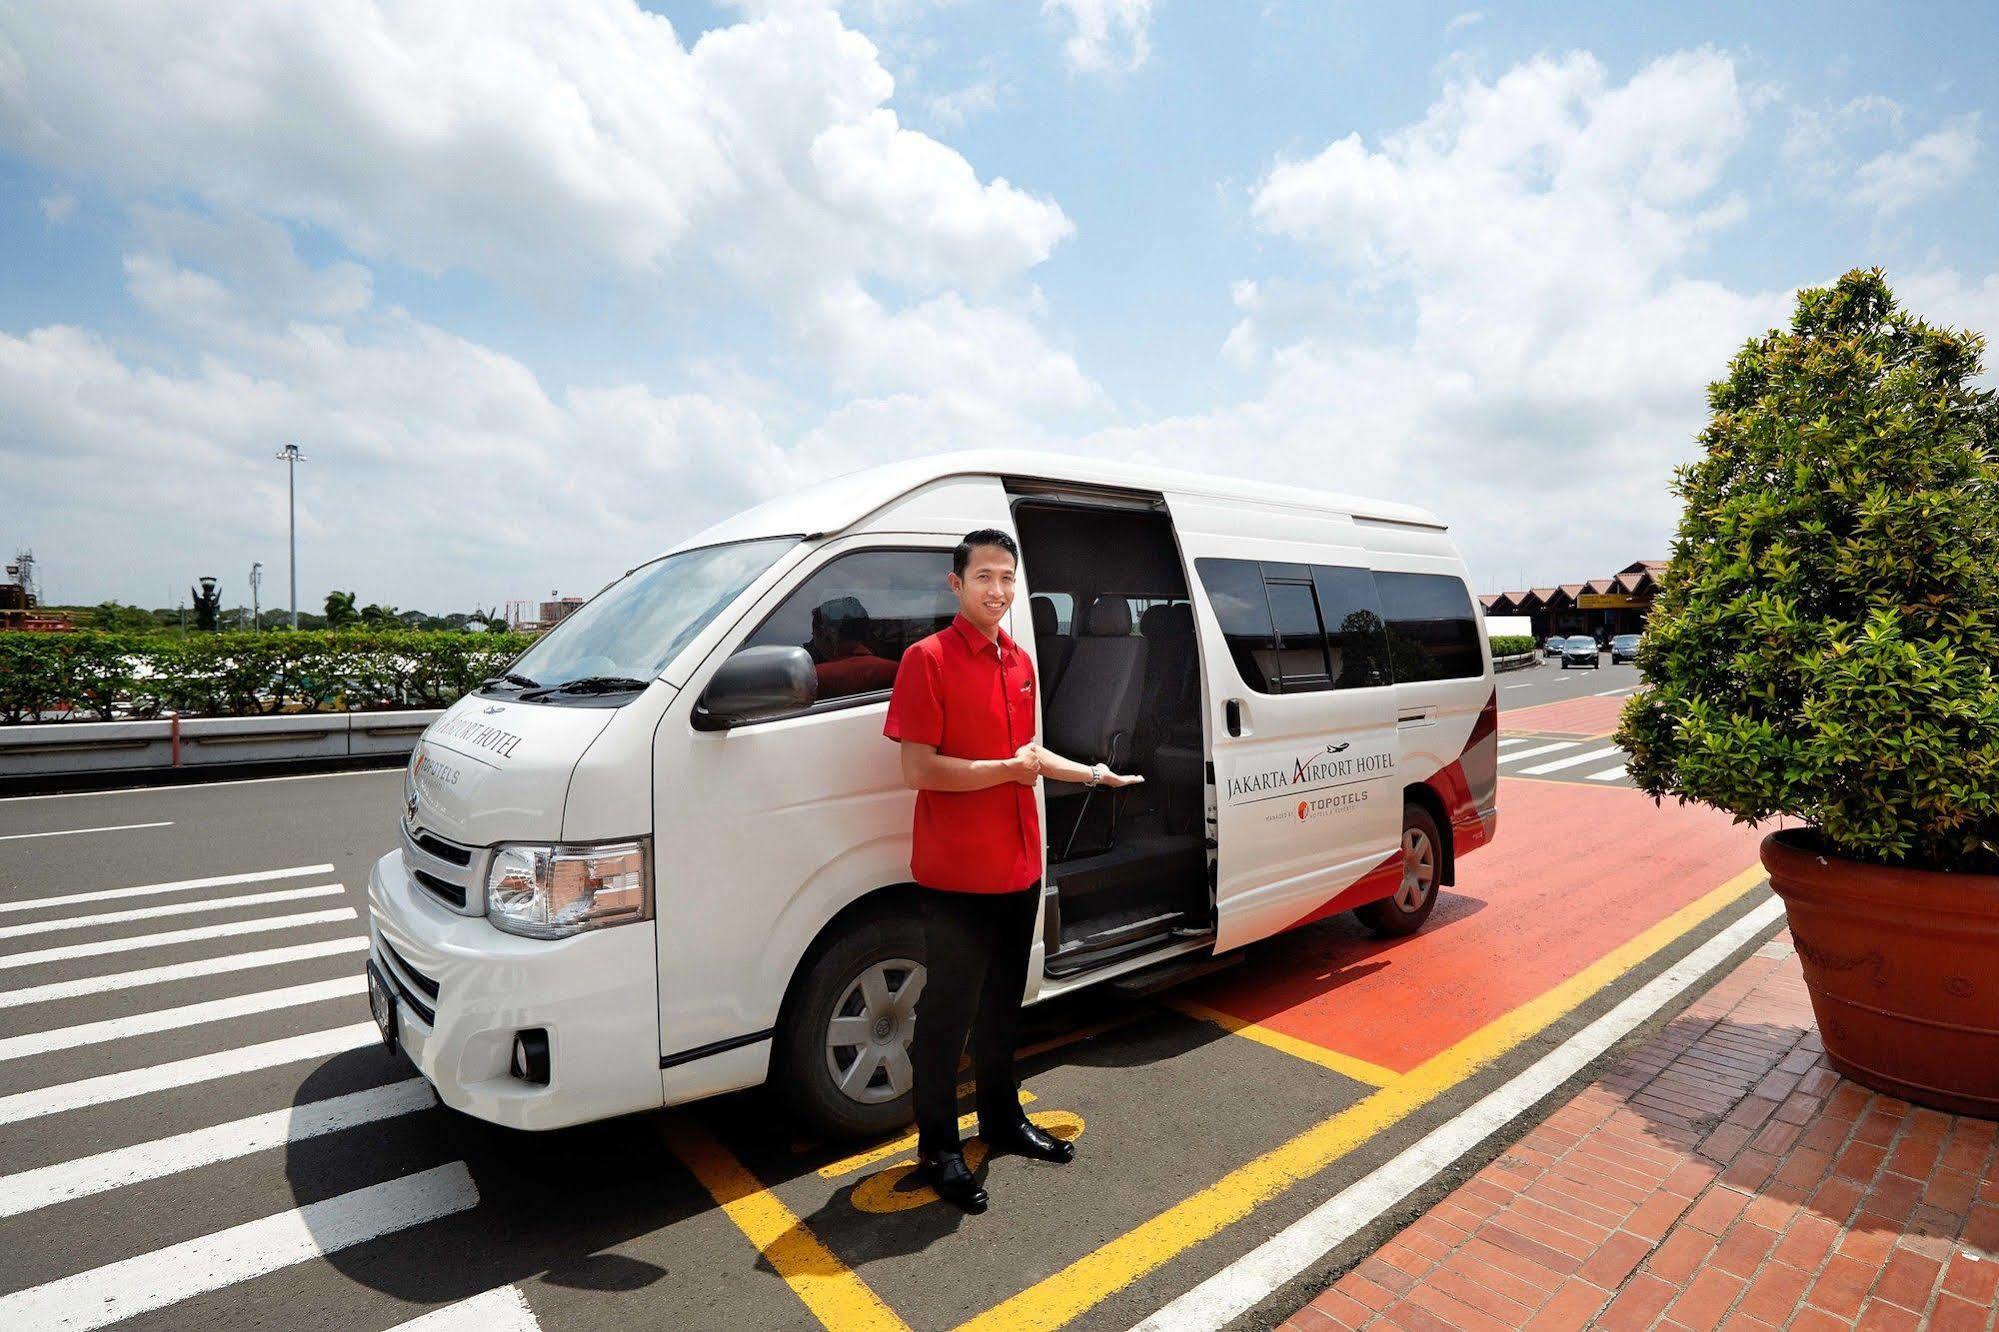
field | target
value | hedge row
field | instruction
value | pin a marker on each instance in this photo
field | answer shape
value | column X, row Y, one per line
column 101, row 677
column 1512, row 645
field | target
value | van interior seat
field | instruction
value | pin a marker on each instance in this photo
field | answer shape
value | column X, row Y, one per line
column 1052, row 647
column 1175, row 760
column 1095, row 712
column 1168, row 630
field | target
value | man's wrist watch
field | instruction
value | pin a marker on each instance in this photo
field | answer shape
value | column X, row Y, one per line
column 1097, row 774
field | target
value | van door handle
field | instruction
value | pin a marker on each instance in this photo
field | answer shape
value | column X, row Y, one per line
column 1232, row 715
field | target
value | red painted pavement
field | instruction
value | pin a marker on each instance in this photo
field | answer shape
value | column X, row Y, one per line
column 1574, row 872
column 1571, row 716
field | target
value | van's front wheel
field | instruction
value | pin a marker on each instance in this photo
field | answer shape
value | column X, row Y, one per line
column 843, row 1055
column 1416, row 892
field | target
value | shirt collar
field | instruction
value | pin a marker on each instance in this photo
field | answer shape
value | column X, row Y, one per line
column 976, row 640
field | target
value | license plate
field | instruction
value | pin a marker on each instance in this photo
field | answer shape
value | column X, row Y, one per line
column 382, row 1004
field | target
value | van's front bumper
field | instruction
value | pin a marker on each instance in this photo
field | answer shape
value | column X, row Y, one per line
column 595, row 994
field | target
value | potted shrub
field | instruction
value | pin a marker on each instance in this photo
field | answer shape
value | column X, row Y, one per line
column 1825, row 646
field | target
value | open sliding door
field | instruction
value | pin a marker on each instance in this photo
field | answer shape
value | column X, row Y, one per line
column 1300, row 711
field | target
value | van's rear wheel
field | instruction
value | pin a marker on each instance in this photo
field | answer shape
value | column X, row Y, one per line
column 843, row 1055
column 1416, row 892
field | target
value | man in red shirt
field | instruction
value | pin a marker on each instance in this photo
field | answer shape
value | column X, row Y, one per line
column 964, row 710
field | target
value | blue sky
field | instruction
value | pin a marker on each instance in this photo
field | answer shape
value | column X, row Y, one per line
column 541, row 287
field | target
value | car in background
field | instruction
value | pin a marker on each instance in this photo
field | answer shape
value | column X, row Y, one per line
column 1553, row 647
column 1581, row 650
column 1623, row 648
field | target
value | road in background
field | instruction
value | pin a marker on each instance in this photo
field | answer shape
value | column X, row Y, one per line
column 1549, row 683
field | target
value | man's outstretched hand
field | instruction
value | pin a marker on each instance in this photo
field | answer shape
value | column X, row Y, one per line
column 1050, row 764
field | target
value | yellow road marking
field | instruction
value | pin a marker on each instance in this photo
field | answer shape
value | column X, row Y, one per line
column 1360, row 1070
column 847, row 1165
column 1055, row 1300
column 833, row 1292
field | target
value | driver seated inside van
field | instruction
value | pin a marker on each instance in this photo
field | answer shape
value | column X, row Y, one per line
column 841, row 657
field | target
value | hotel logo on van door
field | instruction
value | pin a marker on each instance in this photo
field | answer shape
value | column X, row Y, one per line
column 1322, row 768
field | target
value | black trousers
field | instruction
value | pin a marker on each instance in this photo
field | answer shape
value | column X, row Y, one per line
column 976, row 947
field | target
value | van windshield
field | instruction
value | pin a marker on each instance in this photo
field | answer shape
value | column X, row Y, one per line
column 622, row 638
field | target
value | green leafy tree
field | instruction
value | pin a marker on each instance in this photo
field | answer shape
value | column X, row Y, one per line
column 340, row 610
column 377, row 616
column 1825, row 641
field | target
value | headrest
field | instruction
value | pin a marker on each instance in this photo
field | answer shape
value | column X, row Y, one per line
column 1156, row 621
column 1110, row 617
column 1043, row 611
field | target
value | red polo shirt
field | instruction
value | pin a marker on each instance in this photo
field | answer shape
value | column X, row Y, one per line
column 972, row 699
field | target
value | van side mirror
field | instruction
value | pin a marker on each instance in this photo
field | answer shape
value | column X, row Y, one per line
column 756, row 683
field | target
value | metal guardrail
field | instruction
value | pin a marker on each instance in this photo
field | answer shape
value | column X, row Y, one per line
column 79, row 748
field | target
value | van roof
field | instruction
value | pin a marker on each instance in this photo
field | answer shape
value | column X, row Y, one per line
column 839, row 502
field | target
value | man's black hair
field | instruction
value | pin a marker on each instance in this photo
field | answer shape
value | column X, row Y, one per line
column 985, row 536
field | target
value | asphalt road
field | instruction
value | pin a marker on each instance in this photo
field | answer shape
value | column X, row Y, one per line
column 197, row 1128
column 1549, row 683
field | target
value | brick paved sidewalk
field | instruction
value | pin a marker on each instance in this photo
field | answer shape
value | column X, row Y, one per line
column 1721, row 1177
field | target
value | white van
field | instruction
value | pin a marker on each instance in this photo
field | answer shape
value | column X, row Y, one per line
column 667, row 855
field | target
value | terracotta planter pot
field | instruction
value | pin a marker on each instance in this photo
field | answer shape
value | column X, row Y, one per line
column 1903, row 969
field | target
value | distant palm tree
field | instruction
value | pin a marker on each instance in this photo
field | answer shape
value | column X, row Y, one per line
column 379, row 615
column 340, row 610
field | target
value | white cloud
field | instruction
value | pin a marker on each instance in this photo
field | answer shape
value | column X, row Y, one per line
column 1104, row 36
column 440, row 470
column 58, row 207
column 1512, row 329
column 438, row 462
column 513, row 139
column 1860, row 154
column 1459, row 22
column 954, row 108
column 1899, row 178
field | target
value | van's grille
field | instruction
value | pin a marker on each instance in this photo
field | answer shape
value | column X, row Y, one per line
column 443, row 850
column 416, row 978
column 449, row 871
column 402, row 976
column 450, row 892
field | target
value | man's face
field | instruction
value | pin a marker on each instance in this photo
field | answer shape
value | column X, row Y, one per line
column 986, row 590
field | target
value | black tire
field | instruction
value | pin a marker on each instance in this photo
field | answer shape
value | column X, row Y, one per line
column 1405, row 912
column 800, row 1065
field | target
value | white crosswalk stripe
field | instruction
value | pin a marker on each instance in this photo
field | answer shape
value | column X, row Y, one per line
column 167, row 1276
column 184, row 1072
column 1608, row 774
column 177, row 886
column 134, row 943
column 171, row 909
column 188, row 1015
column 502, row 1310
column 1513, row 740
column 29, row 1190
column 1570, row 761
column 1519, row 754
column 173, row 971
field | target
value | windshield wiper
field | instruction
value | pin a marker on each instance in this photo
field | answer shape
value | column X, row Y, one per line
column 510, row 678
column 593, row 684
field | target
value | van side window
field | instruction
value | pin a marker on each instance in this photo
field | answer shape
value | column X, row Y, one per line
column 1301, row 639
column 1432, row 631
column 1355, row 635
column 857, row 615
column 1235, row 590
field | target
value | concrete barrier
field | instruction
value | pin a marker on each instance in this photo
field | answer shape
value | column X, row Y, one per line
column 1521, row 662
column 206, row 743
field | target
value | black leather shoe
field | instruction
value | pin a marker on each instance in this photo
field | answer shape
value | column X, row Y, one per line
column 1026, row 1139
column 947, row 1173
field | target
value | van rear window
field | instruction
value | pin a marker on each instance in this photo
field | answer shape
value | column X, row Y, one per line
column 1432, row 630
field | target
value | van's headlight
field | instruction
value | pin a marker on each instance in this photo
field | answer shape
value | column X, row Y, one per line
column 548, row 892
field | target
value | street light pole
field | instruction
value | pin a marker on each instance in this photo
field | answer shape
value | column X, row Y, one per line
column 291, row 458
column 256, row 610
